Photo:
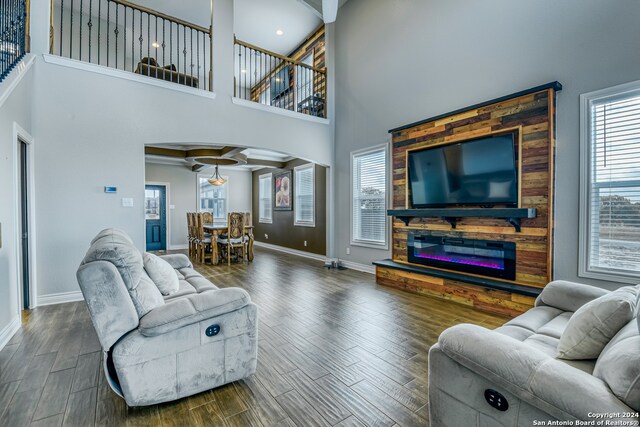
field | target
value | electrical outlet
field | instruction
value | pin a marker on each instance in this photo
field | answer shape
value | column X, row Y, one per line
column 305, row 243
column 266, row 236
column 348, row 251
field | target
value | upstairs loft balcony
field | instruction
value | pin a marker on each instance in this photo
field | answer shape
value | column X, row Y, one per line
column 126, row 36
column 14, row 34
column 296, row 83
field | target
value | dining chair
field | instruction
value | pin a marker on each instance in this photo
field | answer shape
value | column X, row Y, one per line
column 207, row 217
column 203, row 240
column 236, row 235
column 191, row 234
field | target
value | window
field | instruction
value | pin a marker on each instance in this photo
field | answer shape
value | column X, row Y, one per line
column 213, row 199
column 265, row 204
column 304, row 195
column 369, row 195
column 610, row 180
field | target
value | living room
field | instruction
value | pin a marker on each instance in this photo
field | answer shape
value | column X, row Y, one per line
column 338, row 346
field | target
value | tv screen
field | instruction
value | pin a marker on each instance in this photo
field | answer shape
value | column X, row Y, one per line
column 280, row 82
column 479, row 172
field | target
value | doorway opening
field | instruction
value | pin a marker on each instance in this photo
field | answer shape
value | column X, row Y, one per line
column 24, row 225
column 155, row 213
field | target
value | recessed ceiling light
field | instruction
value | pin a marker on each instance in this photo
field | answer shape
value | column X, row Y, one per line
column 155, row 44
column 279, row 32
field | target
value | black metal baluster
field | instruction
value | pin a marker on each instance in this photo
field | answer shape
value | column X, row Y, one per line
column 116, row 31
column 163, row 45
column 124, row 40
column 148, row 38
column 80, row 38
column 191, row 53
column 99, row 19
column 108, row 13
column 61, row 23
column 170, row 46
column 198, row 53
column 71, row 32
column 133, row 36
column 178, row 51
column 184, row 51
column 140, row 40
column 90, row 25
column 156, row 42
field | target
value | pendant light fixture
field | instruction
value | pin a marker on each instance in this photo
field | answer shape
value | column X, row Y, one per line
column 216, row 179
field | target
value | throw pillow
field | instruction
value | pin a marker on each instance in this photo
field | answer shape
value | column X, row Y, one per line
column 162, row 274
column 594, row 324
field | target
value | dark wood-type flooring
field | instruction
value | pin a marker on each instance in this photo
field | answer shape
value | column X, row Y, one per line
column 334, row 349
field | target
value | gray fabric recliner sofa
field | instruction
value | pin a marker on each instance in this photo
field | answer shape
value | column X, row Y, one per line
column 518, row 360
column 156, row 348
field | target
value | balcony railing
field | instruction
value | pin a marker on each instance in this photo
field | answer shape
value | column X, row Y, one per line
column 272, row 79
column 126, row 36
column 13, row 33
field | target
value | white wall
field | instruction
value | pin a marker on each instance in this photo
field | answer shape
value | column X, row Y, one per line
column 402, row 61
column 15, row 109
column 183, row 194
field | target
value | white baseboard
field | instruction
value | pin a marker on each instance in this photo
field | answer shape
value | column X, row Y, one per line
column 179, row 247
column 60, row 298
column 291, row 251
column 8, row 331
column 371, row 269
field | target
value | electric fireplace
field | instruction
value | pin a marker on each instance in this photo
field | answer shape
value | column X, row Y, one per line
column 485, row 257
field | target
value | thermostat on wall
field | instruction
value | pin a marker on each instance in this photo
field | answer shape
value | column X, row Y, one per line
column 110, row 189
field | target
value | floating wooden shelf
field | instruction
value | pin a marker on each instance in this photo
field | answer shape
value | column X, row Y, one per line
column 512, row 215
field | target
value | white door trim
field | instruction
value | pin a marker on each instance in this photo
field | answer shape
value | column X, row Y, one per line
column 19, row 134
column 167, row 203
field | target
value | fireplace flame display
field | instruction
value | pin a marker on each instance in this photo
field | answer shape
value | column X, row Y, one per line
column 485, row 257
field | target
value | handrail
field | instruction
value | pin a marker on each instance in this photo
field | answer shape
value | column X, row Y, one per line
column 163, row 16
column 277, row 55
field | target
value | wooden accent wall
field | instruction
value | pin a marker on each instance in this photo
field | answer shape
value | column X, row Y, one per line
column 532, row 116
column 315, row 44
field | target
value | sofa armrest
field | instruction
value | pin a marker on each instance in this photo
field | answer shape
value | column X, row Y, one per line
column 178, row 261
column 192, row 309
column 549, row 384
column 568, row 296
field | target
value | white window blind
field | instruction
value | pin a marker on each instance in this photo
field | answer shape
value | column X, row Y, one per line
column 265, row 204
column 304, row 188
column 369, row 183
column 213, row 199
column 614, row 184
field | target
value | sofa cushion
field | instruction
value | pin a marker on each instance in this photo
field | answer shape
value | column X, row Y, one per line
column 184, row 290
column 124, row 256
column 162, row 274
column 619, row 364
column 595, row 323
column 146, row 296
column 114, row 234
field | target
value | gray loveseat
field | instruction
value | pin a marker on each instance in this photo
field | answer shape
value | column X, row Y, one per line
column 157, row 348
column 470, row 364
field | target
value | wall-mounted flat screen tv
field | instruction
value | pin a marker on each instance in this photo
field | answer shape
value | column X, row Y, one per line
column 479, row 172
column 280, row 82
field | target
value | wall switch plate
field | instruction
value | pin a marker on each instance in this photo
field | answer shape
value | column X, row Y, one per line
column 266, row 236
column 348, row 251
column 305, row 243
column 127, row 202
column 172, row 206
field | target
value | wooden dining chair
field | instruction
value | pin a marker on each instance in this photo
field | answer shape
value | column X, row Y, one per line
column 191, row 234
column 236, row 237
column 207, row 217
column 203, row 240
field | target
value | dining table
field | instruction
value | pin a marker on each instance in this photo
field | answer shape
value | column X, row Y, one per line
column 216, row 229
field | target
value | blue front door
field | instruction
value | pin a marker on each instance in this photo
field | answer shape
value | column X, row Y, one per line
column 155, row 212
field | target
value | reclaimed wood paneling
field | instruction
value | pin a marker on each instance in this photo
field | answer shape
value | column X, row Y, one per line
column 532, row 117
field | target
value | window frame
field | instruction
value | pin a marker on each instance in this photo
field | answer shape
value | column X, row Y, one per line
column 587, row 100
column 260, row 219
column 387, row 174
column 226, row 195
column 296, row 205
